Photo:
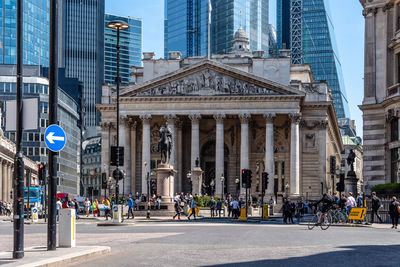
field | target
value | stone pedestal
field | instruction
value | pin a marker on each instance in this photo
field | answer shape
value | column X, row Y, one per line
column 197, row 181
column 350, row 183
column 165, row 182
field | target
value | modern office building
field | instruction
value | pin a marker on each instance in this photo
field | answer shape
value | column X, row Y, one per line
column 35, row 32
column 305, row 27
column 186, row 25
column 130, row 48
column 83, row 50
column 33, row 144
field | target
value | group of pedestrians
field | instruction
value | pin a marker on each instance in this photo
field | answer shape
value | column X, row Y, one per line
column 5, row 208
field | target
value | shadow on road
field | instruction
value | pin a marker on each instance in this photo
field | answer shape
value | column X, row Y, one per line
column 347, row 256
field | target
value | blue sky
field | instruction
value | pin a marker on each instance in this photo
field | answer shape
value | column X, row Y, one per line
column 346, row 17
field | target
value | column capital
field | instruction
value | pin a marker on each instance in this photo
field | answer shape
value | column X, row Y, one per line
column 123, row 119
column 244, row 117
column 323, row 124
column 194, row 116
column 295, row 117
column 131, row 122
column 105, row 125
column 269, row 117
column 145, row 118
column 170, row 116
column 219, row 117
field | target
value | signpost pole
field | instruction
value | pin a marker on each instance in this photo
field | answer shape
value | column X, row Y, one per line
column 18, row 181
column 53, row 86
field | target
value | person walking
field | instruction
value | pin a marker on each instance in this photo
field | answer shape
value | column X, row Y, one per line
column 394, row 212
column 87, row 206
column 148, row 210
column 107, row 208
column 58, row 207
column 376, row 205
column 76, row 205
column 131, row 206
column 219, row 207
column 286, row 209
column 193, row 208
column 177, row 207
column 212, row 206
column 95, row 207
column 350, row 202
column 359, row 200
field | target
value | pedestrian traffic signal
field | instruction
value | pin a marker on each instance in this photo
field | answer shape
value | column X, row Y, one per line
column 41, row 171
column 246, row 178
column 333, row 164
column 265, row 178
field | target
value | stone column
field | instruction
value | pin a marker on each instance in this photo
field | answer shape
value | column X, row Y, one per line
column 5, row 180
column 146, row 156
column 132, row 132
column 195, row 147
column 8, row 172
column 279, row 176
column 180, row 175
column 1, row 180
column 244, row 145
column 219, row 152
column 294, row 155
column 269, row 152
column 124, row 185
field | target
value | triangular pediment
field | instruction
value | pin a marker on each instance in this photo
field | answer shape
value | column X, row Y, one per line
column 208, row 78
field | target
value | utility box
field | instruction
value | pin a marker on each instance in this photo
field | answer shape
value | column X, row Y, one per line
column 117, row 213
column 265, row 212
column 67, row 228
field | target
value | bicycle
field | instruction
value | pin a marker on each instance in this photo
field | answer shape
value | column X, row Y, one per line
column 324, row 224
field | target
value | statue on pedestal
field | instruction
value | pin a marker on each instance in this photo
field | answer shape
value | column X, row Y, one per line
column 165, row 143
column 350, row 162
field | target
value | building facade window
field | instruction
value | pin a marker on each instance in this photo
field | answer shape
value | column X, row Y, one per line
column 395, row 165
column 394, row 129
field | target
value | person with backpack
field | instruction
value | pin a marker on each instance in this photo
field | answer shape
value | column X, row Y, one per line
column 177, row 207
column 394, row 212
column 327, row 204
column 376, row 205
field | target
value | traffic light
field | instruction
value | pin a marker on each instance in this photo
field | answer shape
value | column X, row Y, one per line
column 333, row 164
column 340, row 184
column 265, row 178
column 103, row 181
column 118, row 174
column 246, row 178
column 41, row 172
column 117, row 152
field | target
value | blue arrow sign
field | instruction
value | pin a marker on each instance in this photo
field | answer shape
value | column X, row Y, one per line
column 55, row 138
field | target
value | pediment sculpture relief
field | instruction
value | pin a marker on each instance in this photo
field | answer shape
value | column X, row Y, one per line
column 208, row 82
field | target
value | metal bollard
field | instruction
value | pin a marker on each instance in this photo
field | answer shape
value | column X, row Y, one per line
column 67, row 228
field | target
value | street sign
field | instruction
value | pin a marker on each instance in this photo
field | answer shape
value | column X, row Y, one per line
column 357, row 214
column 29, row 114
column 55, row 138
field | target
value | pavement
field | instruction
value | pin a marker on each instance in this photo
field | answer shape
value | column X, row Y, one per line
column 39, row 256
column 162, row 241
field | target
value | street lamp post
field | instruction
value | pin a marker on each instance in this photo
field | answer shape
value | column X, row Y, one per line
column 287, row 189
column 237, row 182
column 189, row 176
column 222, row 185
column 117, row 25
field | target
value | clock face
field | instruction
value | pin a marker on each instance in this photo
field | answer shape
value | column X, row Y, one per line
column 91, row 172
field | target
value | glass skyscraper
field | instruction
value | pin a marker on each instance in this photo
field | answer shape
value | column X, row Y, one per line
column 186, row 23
column 305, row 27
column 83, row 50
column 130, row 48
column 35, row 32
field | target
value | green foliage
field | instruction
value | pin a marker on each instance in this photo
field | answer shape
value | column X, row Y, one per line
column 386, row 187
column 204, row 201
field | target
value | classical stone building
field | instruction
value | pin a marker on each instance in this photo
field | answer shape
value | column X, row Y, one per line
column 235, row 111
column 7, row 154
column 381, row 104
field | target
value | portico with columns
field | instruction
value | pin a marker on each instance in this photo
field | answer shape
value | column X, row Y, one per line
column 230, row 120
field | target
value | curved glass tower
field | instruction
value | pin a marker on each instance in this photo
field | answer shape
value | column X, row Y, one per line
column 305, row 27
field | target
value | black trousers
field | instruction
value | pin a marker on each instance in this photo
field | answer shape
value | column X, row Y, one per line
column 395, row 220
column 193, row 213
column 373, row 212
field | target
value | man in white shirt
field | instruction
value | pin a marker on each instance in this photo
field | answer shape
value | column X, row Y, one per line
column 235, row 208
column 350, row 202
column 58, row 207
